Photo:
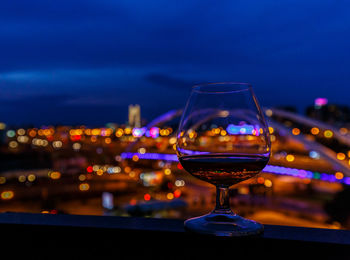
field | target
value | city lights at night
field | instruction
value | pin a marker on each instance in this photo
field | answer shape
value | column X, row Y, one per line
column 227, row 118
column 142, row 160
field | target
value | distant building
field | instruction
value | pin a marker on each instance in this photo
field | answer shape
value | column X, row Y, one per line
column 329, row 113
column 134, row 116
column 288, row 108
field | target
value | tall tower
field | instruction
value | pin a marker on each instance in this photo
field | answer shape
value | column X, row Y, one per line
column 134, row 116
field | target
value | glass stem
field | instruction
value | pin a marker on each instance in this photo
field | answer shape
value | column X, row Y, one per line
column 222, row 201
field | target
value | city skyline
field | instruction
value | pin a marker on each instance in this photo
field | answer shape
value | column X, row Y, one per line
column 135, row 171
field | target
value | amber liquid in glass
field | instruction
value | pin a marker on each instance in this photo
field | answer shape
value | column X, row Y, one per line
column 223, row 169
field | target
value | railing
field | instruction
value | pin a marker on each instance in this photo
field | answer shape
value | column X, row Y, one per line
column 75, row 236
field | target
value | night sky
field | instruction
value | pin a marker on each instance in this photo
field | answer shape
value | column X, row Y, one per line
column 84, row 62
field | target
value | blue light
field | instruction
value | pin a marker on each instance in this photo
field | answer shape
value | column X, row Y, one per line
column 242, row 129
column 233, row 129
column 314, row 155
column 138, row 132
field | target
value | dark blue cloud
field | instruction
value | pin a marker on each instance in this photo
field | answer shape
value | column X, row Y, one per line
column 170, row 82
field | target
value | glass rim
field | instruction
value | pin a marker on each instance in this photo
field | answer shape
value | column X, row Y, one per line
column 230, row 87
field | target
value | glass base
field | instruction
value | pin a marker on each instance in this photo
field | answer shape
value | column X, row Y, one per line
column 230, row 225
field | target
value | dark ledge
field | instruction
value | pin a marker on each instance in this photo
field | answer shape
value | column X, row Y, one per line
column 42, row 234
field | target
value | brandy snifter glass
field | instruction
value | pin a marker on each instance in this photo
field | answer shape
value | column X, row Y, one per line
column 223, row 139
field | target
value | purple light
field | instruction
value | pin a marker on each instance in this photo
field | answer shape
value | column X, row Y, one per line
column 154, row 132
column 302, row 173
column 103, row 132
column 309, row 174
column 151, row 156
column 324, row 177
column 347, row 180
column 333, row 179
column 279, row 170
column 190, row 152
column 321, row 102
